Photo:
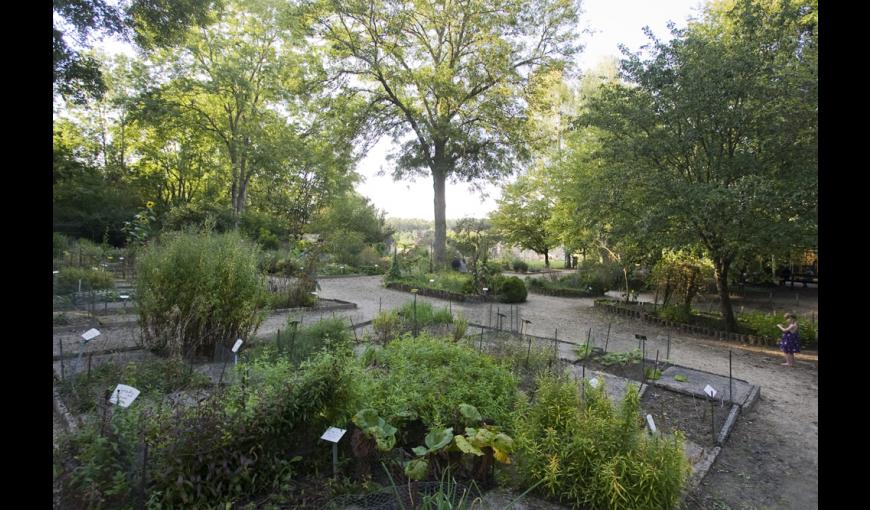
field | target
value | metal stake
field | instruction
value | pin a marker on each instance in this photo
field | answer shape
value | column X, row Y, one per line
column 607, row 339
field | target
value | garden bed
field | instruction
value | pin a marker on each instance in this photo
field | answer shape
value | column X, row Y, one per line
column 673, row 411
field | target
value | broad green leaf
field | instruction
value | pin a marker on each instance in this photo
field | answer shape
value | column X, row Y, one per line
column 467, row 447
column 470, row 413
column 438, row 439
column 420, row 450
column 416, row 469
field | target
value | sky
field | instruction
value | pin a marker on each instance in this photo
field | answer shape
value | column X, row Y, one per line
column 612, row 22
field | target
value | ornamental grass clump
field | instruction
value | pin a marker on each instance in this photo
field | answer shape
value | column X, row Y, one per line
column 587, row 454
column 196, row 291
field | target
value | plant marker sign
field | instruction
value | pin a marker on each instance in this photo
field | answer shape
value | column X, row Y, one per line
column 710, row 391
column 594, row 382
column 236, row 346
column 124, row 395
column 651, row 423
column 90, row 334
column 333, row 435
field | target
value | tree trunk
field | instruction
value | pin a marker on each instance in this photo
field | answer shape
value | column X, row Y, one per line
column 439, row 176
column 722, row 266
column 547, row 259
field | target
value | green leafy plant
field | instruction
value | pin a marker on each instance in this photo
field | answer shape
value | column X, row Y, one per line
column 621, row 358
column 387, row 325
column 653, row 374
column 460, row 326
column 511, row 290
column 198, row 290
column 374, row 426
column 681, row 378
column 68, row 279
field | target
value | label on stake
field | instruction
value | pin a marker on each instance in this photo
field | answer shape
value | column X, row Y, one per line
column 333, row 434
column 238, row 344
column 90, row 334
column 124, row 395
column 594, row 382
column 710, row 391
column 651, row 423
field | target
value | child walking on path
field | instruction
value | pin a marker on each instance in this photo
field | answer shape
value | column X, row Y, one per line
column 790, row 342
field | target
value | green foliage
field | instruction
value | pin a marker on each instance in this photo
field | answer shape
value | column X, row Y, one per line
column 332, row 334
column 374, row 426
column 511, row 290
column 91, row 279
column 675, row 313
column 519, row 266
column 198, row 290
column 460, row 326
column 83, row 393
column 387, row 325
column 431, row 377
column 228, row 447
column 681, row 378
column 679, row 276
column 621, row 358
column 578, row 284
column 450, row 281
column 587, row 455
column 425, row 314
column 764, row 324
column 523, row 213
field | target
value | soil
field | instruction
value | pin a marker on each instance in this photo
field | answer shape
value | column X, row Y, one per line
column 633, row 371
column 673, row 411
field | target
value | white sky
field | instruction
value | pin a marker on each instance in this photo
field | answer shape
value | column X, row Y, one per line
column 613, row 22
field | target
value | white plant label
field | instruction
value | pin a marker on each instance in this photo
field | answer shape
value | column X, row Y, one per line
column 55, row 272
column 651, row 423
column 238, row 344
column 594, row 382
column 124, row 296
column 333, row 434
column 90, row 334
column 710, row 391
column 124, row 395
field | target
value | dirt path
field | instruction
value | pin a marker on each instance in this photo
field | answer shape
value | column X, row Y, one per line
column 770, row 460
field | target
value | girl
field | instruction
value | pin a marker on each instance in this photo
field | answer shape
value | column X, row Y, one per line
column 790, row 343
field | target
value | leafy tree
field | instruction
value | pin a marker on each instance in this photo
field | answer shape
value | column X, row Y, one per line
column 714, row 143
column 77, row 75
column 523, row 213
column 349, row 224
column 450, row 74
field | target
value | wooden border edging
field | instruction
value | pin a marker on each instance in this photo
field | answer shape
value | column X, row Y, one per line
column 729, row 424
column 60, row 408
column 703, row 466
column 752, row 398
column 102, row 352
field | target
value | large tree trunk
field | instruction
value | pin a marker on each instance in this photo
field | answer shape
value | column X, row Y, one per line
column 439, row 176
column 722, row 266
column 546, row 258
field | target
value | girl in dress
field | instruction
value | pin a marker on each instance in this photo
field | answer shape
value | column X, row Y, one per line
column 790, row 343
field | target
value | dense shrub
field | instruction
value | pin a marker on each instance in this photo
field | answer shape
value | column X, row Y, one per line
column 764, row 324
column 519, row 266
column 430, row 377
column 511, row 290
column 576, row 284
column 675, row 313
column 196, row 291
column 92, row 279
column 226, row 449
column 589, row 455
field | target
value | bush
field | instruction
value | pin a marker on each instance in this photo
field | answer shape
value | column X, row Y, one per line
column 588, row 455
column 387, row 325
column 764, row 324
column 675, row 313
column 511, row 290
column 519, row 266
column 430, row 377
column 92, row 279
column 196, row 291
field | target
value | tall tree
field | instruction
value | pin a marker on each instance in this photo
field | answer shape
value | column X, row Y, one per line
column 714, row 142
column 523, row 214
column 446, row 79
